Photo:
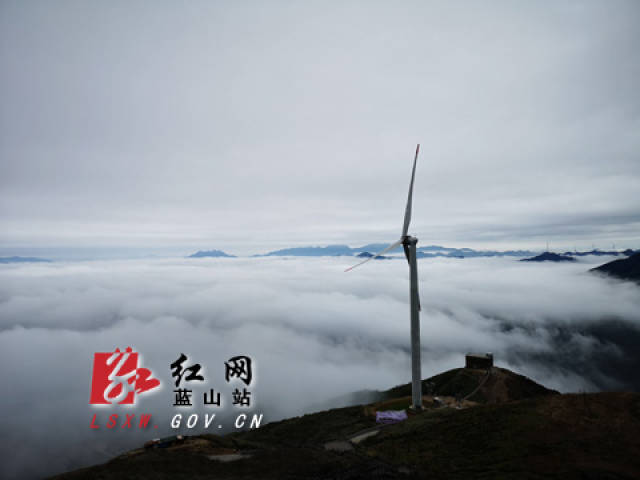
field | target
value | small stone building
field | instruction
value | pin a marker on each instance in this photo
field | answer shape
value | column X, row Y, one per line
column 482, row 361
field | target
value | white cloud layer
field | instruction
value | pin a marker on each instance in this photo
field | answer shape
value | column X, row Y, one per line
column 313, row 331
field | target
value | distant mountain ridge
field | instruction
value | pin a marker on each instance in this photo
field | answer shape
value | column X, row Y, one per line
column 23, row 260
column 328, row 251
column 371, row 248
column 549, row 257
column 428, row 251
column 600, row 253
column 210, row 253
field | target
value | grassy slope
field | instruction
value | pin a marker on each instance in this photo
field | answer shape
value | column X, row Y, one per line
column 502, row 386
column 547, row 436
column 563, row 436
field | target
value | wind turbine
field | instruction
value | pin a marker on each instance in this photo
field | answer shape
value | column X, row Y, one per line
column 409, row 245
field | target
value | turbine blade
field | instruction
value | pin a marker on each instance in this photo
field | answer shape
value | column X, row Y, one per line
column 407, row 212
column 390, row 247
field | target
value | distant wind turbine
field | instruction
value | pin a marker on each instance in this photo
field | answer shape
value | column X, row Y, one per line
column 409, row 245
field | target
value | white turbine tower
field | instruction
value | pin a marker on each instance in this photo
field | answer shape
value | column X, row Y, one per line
column 409, row 244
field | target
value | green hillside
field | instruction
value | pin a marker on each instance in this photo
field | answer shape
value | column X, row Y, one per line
column 546, row 435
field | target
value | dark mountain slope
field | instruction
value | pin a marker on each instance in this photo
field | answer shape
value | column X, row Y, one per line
column 299, row 447
column 499, row 385
column 577, row 436
column 625, row 269
column 554, row 436
column 549, row 257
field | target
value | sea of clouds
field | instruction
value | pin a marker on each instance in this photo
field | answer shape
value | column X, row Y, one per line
column 314, row 333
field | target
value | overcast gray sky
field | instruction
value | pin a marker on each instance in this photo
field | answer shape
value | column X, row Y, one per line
column 249, row 126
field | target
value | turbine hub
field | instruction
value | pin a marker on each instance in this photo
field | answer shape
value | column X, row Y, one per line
column 409, row 240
